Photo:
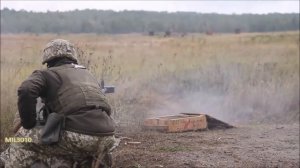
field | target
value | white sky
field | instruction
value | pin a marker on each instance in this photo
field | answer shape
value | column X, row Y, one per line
column 224, row 7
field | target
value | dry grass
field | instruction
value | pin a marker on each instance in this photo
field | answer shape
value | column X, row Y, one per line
column 239, row 78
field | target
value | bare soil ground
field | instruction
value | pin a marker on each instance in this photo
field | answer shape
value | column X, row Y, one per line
column 244, row 146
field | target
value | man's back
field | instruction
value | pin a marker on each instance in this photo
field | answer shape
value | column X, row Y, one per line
column 68, row 90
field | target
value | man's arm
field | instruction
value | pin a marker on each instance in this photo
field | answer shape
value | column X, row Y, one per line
column 28, row 92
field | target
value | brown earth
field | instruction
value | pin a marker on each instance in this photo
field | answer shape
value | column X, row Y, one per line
column 243, row 146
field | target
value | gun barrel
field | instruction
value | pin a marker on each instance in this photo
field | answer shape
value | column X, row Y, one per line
column 108, row 89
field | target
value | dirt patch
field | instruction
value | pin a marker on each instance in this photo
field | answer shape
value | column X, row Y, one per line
column 244, row 146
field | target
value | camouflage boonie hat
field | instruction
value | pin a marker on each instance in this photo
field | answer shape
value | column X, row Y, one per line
column 59, row 48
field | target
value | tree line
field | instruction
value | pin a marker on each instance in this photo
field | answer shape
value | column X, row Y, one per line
column 112, row 22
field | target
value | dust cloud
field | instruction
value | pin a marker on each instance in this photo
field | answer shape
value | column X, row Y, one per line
column 230, row 98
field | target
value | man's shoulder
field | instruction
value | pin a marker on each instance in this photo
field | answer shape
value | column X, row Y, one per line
column 64, row 66
column 42, row 73
column 39, row 72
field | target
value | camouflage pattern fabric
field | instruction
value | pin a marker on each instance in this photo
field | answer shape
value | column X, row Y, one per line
column 59, row 48
column 72, row 148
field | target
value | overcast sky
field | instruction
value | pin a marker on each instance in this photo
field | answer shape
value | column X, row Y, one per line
column 224, row 7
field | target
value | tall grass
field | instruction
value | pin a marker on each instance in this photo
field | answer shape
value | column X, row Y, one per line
column 238, row 78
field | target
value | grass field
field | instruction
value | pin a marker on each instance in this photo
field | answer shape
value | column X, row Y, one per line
column 237, row 78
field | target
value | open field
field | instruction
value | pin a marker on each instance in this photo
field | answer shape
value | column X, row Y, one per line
column 242, row 79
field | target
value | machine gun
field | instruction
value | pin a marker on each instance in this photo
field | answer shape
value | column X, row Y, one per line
column 106, row 89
